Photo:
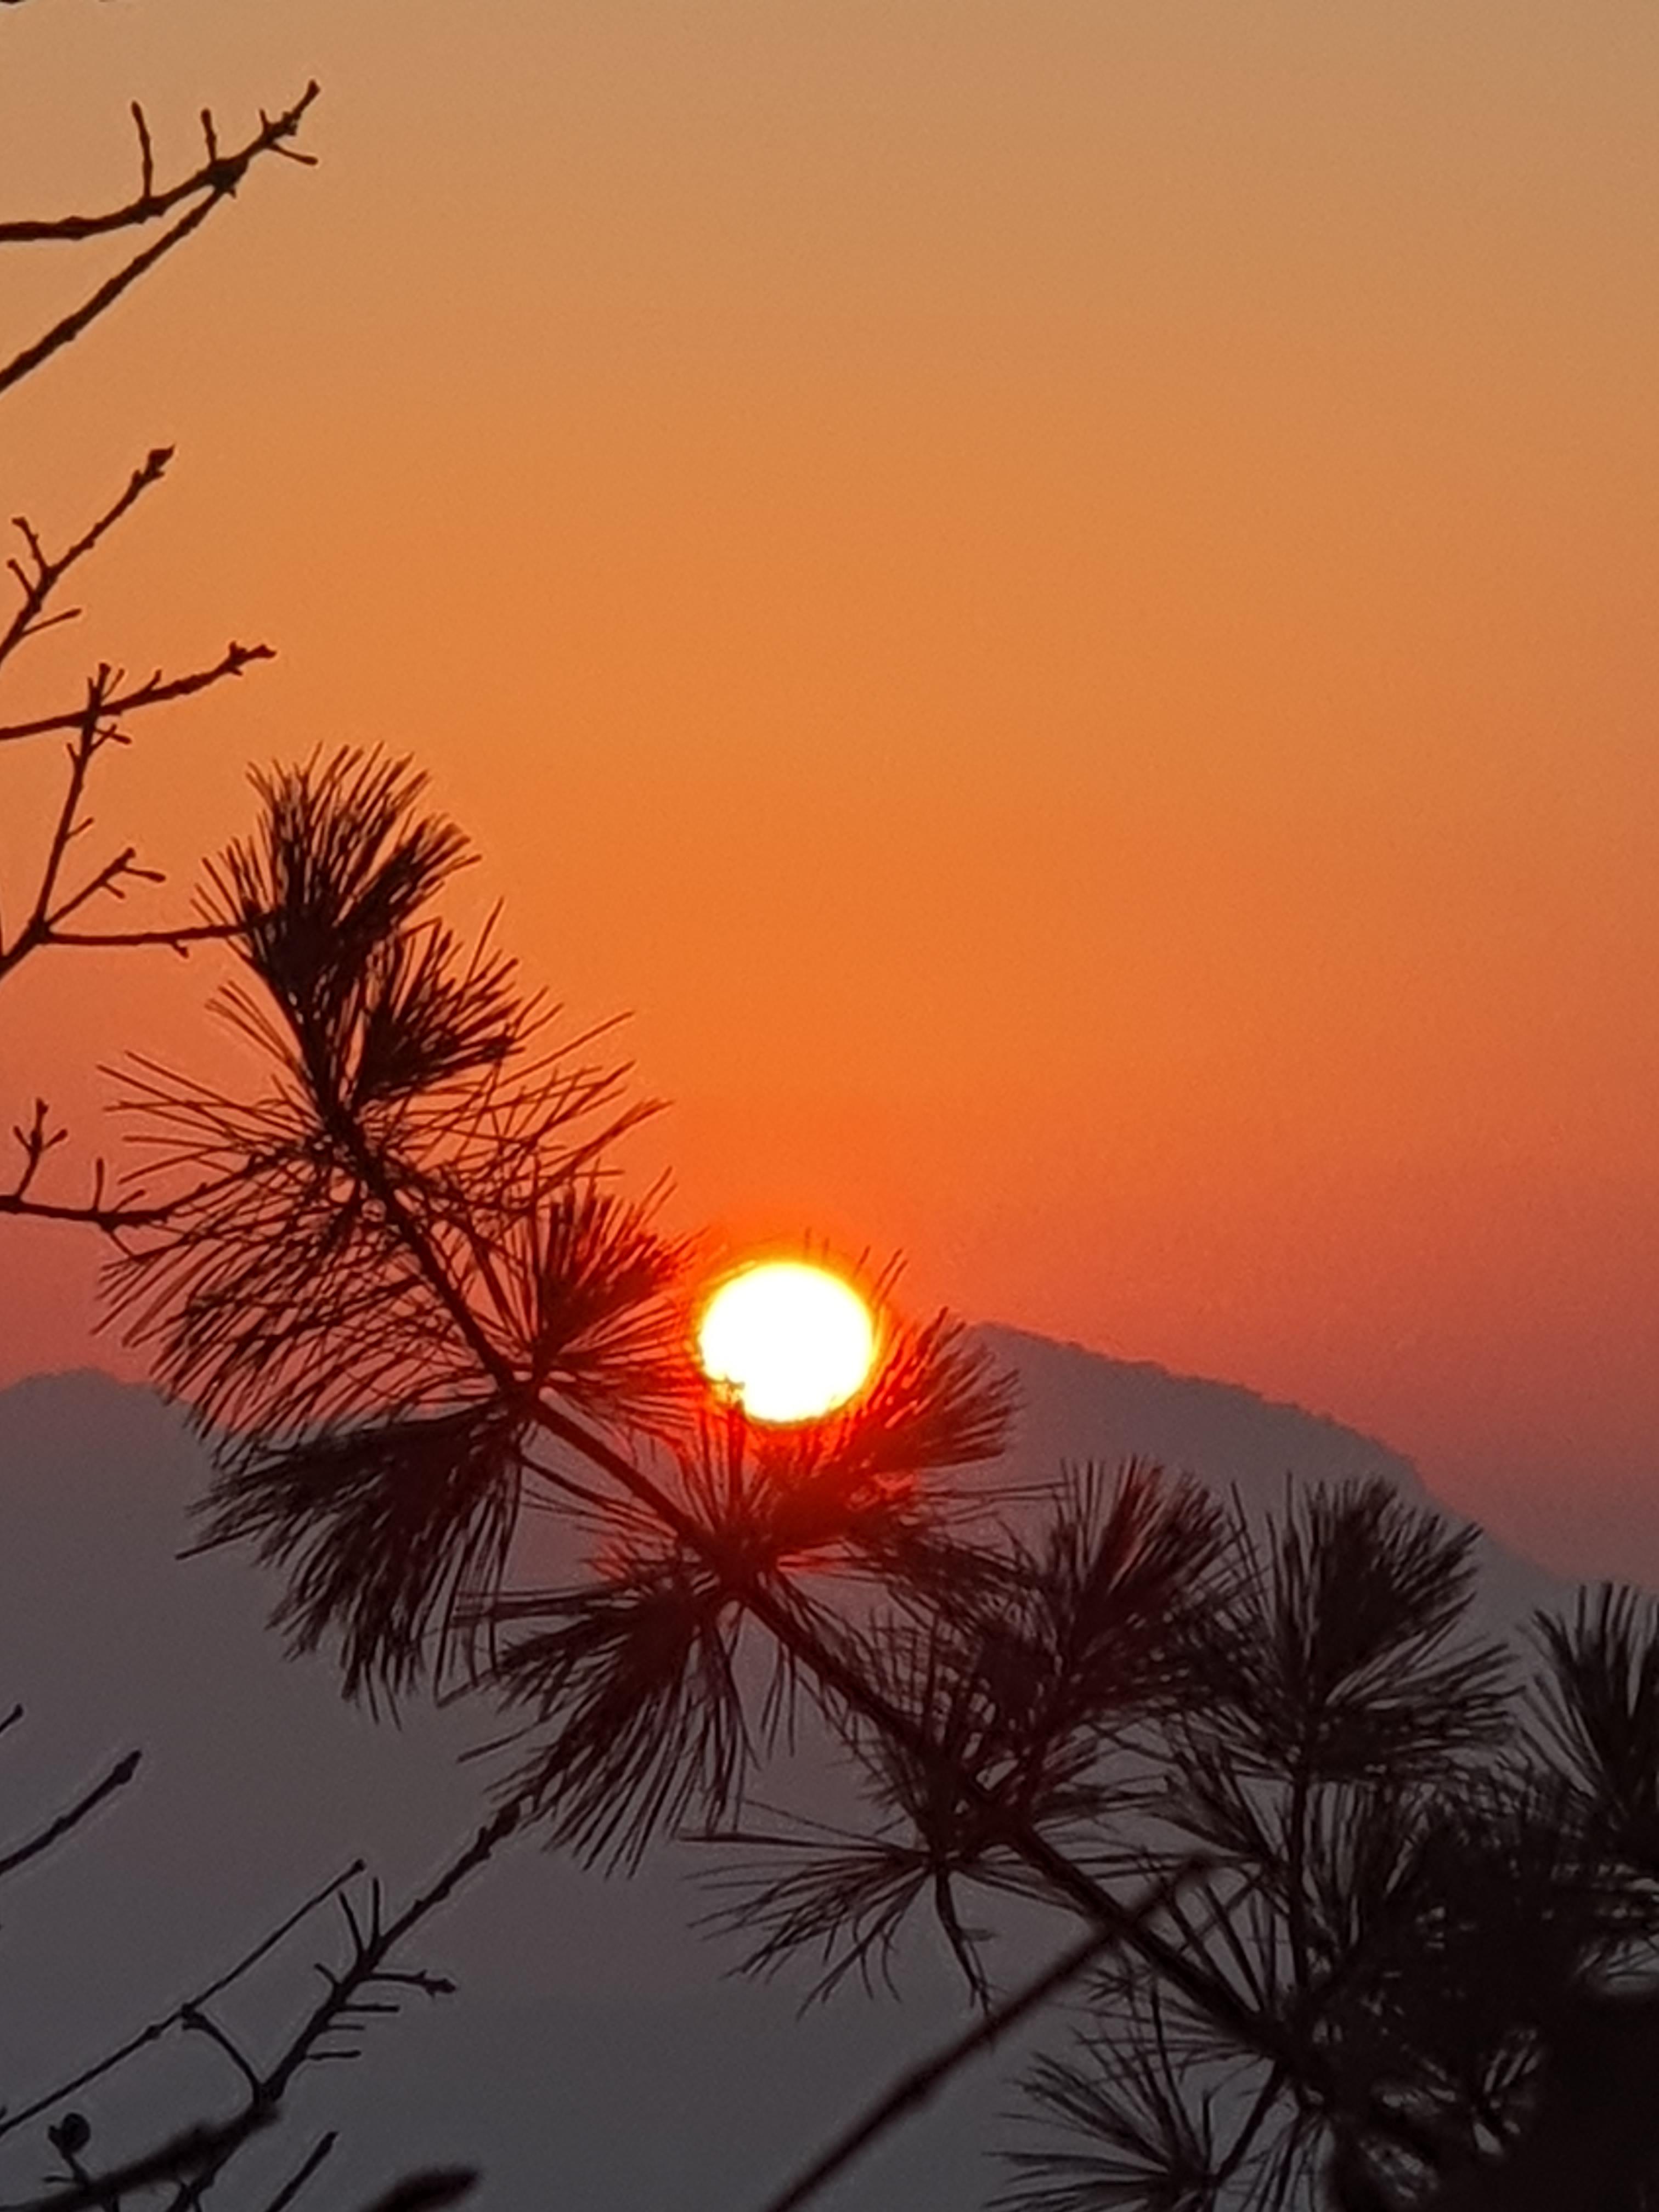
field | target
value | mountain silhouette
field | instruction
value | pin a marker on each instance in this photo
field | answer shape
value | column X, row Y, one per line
column 596, row 2059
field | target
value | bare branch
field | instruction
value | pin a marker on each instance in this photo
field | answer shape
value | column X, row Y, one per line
column 296, row 2181
column 118, row 1777
column 194, row 2157
column 194, row 2020
column 94, row 725
column 213, row 182
column 156, row 692
column 90, row 737
column 146, row 157
column 175, row 940
column 43, row 573
column 42, row 1138
column 52, row 907
column 167, row 2022
column 112, row 1220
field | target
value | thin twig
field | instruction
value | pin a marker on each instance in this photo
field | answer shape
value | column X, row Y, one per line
column 216, row 180
column 117, row 1779
column 44, row 573
column 219, row 173
column 67, row 827
column 296, row 2181
column 110, row 1220
column 114, row 1220
column 194, row 2020
column 180, row 940
column 157, row 2028
column 156, row 692
column 196, row 2157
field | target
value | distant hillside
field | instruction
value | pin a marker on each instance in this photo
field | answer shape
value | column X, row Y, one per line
column 594, row 2062
column 1078, row 1405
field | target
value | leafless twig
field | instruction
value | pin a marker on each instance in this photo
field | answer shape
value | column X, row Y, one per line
column 38, row 574
column 210, row 184
column 156, row 690
column 193, row 2159
column 118, row 1777
column 296, row 2181
column 169, row 2021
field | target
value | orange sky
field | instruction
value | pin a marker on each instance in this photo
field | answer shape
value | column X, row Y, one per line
column 1059, row 596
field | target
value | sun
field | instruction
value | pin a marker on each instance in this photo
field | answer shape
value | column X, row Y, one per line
column 791, row 1341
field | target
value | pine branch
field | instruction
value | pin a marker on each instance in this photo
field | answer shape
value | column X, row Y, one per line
column 358, row 1312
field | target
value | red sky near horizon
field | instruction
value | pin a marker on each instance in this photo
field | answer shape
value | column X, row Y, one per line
column 1058, row 598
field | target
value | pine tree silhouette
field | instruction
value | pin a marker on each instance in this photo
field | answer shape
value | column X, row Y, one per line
column 1354, row 1887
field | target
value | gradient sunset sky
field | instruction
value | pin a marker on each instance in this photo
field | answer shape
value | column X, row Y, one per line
column 1059, row 597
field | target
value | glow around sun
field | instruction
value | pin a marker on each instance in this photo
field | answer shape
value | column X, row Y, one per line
column 790, row 1340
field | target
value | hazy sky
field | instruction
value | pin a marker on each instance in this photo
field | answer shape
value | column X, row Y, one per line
column 1059, row 598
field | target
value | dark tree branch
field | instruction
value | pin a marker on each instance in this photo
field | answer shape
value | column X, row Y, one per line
column 39, row 1139
column 70, row 327
column 175, row 2018
column 215, row 181
column 117, row 1779
column 847, row 1687
column 401, row 1349
column 125, row 941
column 39, row 575
column 296, row 2181
column 48, row 909
column 194, row 2159
column 219, row 173
column 195, row 2021
column 156, row 692
column 110, row 1220
column 339, row 849
column 52, row 906
column 93, row 725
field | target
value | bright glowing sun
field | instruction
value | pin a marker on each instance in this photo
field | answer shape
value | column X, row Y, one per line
column 791, row 1341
